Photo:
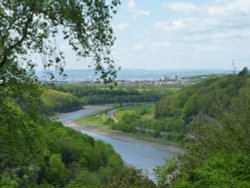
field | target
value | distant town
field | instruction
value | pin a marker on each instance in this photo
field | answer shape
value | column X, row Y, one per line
column 162, row 81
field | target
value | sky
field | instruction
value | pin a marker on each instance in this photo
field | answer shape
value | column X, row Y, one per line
column 185, row 34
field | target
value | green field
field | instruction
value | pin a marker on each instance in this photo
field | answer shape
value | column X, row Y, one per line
column 96, row 120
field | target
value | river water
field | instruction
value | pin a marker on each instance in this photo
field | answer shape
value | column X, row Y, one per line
column 135, row 152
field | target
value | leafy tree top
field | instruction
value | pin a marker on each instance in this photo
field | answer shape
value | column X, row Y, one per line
column 244, row 72
column 30, row 26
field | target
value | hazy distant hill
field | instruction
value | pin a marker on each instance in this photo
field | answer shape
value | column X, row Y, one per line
column 134, row 74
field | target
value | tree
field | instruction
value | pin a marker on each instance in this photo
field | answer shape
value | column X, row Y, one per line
column 29, row 27
column 56, row 168
column 244, row 72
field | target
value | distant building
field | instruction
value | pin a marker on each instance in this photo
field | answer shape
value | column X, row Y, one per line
column 163, row 78
column 175, row 77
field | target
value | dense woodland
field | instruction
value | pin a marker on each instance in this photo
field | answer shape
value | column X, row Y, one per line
column 211, row 118
column 218, row 117
column 102, row 94
column 39, row 152
column 171, row 118
column 36, row 151
column 44, row 153
column 56, row 101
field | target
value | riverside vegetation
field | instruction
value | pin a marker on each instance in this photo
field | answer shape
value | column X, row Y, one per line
column 36, row 151
column 210, row 120
column 39, row 152
column 56, row 101
column 102, row 94
column 216, row 116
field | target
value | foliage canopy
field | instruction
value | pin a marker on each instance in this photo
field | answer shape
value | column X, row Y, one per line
column 30, row 27
column 36, row 151
column 216, row 115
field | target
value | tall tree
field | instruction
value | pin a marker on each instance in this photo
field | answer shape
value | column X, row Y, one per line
column 29, row 27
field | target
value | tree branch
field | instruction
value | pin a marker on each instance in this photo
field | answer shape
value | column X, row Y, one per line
column 7, row 51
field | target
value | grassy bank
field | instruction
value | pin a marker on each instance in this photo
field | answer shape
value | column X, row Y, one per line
column 100, row 122
column 93, row 121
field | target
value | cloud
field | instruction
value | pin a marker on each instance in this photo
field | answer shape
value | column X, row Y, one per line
column 185, row 25
column 222, row 18
column 137, row 47
column 202, row 35
column 121, row 26
column 229, row 8
column 160, row 45
column 135, row 11
column 219, row 8
column 181, row 6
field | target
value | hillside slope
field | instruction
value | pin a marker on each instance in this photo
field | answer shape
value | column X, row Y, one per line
column 216, row 116
column 58, row 101
column 206, row 100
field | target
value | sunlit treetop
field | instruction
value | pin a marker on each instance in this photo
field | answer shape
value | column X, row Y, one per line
column 30, row 27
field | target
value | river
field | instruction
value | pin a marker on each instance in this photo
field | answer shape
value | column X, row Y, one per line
column 135, row 152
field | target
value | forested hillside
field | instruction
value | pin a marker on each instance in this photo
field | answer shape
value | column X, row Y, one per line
column 34, row 150
column 217, row 121
column 210, row 120
column 57, row 101
column 170, row 120
column 102, row 94
column 207, row 101
column 207, row 98
column 38, row 152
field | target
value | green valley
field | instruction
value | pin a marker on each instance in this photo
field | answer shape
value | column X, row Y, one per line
column 210, row 120
column 124, row 94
